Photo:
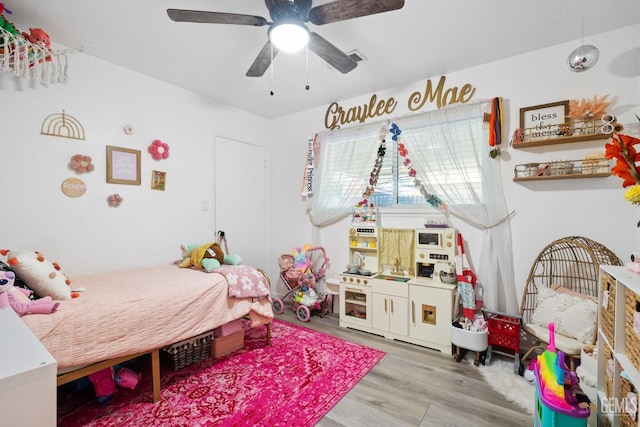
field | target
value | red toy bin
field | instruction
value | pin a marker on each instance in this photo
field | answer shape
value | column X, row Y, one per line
column 504, row 331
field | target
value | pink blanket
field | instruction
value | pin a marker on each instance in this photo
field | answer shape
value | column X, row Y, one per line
column 130, row 311
column 244, row 281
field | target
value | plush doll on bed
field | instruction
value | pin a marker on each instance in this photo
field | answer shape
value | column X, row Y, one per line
column 18, row 298
column 209, row 257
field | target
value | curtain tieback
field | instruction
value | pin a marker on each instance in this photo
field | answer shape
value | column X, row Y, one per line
column 512, row 213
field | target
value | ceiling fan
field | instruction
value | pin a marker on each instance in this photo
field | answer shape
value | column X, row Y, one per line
column 295, row 13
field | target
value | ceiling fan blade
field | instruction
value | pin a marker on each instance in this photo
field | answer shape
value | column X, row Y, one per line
column 262, row 61
column 181, row 15
column 331, row 54
column 342, row 10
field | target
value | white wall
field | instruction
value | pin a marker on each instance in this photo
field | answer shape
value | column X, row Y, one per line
column 86, row 236
column 593, row 208
column 83, row 234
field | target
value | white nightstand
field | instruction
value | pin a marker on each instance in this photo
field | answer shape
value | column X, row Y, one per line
column 27, row 375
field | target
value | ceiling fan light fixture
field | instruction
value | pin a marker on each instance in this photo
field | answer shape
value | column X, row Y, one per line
column 289, row 36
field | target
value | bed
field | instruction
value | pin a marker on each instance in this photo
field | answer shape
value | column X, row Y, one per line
column 125, row 314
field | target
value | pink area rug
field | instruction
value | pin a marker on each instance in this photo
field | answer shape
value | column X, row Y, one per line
column 293, row 382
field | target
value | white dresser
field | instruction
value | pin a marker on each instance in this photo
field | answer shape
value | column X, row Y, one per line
column 27, row 376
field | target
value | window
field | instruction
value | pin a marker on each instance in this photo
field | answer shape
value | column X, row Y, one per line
column 447, row 148
column 396, row 187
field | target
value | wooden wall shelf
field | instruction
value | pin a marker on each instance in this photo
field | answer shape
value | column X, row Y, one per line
column 563, row 169
column 560, row 140
column 565, row 176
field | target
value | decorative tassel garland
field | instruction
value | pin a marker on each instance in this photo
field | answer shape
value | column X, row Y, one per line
column 395, row 131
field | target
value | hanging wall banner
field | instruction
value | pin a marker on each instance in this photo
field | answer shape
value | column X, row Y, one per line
column 307, row 179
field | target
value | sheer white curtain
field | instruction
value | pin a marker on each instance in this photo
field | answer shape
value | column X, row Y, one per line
column 344, row 163
column 439, row 138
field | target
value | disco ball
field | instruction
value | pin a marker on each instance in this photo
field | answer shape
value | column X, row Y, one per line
column 583, row 58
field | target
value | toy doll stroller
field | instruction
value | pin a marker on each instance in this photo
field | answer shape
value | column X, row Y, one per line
column 303, row 272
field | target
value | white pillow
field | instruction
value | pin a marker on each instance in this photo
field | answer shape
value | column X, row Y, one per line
column 42, row 276
column 573, row 317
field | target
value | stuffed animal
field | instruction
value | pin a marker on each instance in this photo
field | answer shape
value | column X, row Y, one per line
column 125, row 377
column 300, row 260
column 209, row 257
column 5, row 24
column 18, row 298
column 38, row 37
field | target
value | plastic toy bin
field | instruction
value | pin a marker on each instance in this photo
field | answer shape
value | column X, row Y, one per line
column 504, row 332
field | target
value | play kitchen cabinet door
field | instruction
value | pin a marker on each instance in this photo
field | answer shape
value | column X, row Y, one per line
column 355, row 303
column 390, row 308
column 618, row 346
column 430, row 314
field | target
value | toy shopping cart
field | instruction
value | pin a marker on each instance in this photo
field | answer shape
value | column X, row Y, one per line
column 303, row 272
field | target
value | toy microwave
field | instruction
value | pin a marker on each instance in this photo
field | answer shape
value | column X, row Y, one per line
column 434, row 245
column 436, row 239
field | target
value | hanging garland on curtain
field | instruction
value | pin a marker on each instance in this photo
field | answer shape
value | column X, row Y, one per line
column 430, row 198
column 395, row 131
column 375, row 172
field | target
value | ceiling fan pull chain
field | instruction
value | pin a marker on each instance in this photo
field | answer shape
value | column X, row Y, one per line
column 272, row 65
column 307, row 85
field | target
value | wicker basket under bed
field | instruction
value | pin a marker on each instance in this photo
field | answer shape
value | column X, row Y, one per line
column 189, row 351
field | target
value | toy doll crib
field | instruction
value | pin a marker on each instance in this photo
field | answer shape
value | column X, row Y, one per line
column 568, row 270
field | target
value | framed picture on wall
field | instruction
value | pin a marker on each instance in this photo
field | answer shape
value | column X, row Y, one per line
column 158, row 180
column 543, row 121
column 123, row 165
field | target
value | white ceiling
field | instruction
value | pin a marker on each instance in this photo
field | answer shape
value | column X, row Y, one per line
column 425, row 39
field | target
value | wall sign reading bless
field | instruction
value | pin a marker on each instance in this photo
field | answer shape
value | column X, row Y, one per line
column 542, row 121
column 336, row 115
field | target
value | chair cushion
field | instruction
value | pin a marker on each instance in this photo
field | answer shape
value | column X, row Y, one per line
column 568, row 346
column 574, row 317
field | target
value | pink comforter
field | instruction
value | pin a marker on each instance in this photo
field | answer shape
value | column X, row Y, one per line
column 131, row 311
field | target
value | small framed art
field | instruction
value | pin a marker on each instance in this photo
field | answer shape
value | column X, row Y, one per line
column 543, row 121
column 158, row 180
column 123, row 165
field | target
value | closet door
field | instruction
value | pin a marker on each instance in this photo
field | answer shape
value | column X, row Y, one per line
column 240, row 177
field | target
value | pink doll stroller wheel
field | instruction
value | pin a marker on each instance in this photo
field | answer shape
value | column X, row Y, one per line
column 278, row 306
column 303, row 313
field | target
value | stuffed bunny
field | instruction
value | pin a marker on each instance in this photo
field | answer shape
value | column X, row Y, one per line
column 18, row 298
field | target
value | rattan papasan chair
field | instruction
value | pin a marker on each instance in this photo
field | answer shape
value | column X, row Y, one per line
column 564, row 273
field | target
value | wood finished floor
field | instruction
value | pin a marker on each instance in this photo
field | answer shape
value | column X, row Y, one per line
column 414, row 386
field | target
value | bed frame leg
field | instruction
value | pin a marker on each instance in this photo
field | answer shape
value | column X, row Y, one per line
column 155, row 374
column 268, row 333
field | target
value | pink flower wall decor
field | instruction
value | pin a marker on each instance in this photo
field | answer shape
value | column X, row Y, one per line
column 81, row 164
column 114, row 200
column 158, row 150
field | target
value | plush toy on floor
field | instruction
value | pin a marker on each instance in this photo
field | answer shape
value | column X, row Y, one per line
column 105, row 381
column 529, row 373
column 18, row 298
column 209, row 257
